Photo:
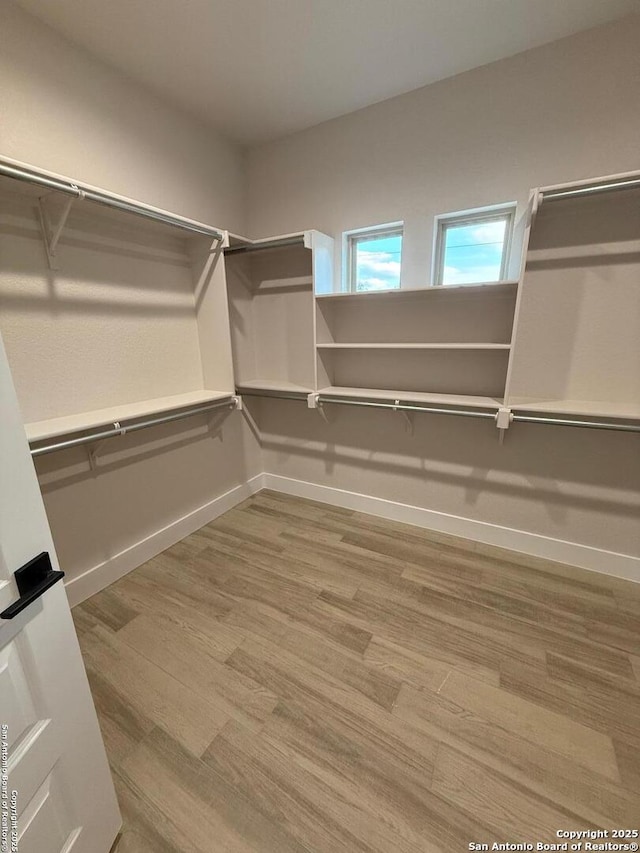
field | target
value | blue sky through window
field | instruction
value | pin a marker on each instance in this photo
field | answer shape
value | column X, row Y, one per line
column 377, row 262
column 472, row 252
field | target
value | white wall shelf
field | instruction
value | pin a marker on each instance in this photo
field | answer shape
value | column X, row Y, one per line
column 437, row 341
column 434, row 346
column 56, row 427
column 447, row 290
column 476, row 402
column 272, row 385
column 30, row 181
column 582, row 408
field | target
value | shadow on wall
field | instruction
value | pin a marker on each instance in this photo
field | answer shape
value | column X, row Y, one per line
column 66, row 467
column 558, row 467
column 143, row 483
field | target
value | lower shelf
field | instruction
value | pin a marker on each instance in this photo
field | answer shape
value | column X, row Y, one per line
column 595, row 408
column 414, row 397
column 55, row 427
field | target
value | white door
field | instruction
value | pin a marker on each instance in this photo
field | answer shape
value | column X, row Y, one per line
column 56, row 792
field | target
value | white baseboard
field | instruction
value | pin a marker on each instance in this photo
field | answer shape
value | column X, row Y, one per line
column 98, row 577
column 606, row 562
column 596, row 560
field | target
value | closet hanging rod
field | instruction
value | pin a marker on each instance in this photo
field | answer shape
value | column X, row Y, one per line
column 68, row 187
column 535, row 419
column 297, row 240
column 273, row 395
column 405, row 407
column 470, row 413
column 576, row 192
column 118, row 429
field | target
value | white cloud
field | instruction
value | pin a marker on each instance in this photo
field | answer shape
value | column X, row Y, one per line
column 453, row 275
column 377, row 271
column 488, row 232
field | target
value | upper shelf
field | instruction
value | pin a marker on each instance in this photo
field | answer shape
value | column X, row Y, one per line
column 243, row 245
column 55, row 427
column 25, row 179
column 582, row 189
column 417, row 292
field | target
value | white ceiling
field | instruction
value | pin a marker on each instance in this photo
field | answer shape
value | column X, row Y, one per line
column 259, row 69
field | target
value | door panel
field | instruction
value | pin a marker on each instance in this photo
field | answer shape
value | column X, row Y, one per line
column 51, row 746
column 19, row 712
column 45, row 826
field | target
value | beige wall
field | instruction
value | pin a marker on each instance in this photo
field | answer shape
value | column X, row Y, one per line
column 64, row 111
column 564, row 111
column 561, row 112
column 117, row 314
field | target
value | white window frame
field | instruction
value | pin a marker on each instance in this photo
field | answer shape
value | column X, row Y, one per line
column 357, row 235
column 469, row 217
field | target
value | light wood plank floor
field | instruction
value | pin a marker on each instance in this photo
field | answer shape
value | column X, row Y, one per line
column 296, row 677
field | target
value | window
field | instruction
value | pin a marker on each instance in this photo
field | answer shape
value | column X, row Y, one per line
column 374, row 258
column 473, row 246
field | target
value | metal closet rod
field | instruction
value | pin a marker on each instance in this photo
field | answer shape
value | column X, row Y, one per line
column 471, row 413
column 123, row 430
column 273, row 395
column 576, row 192
column 107, row 200
column 535, row 419
column 298, row 240
column 406, row 407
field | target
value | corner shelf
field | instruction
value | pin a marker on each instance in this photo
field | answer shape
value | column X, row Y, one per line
column 55, row 427
column 272, row 385
column 272, row 310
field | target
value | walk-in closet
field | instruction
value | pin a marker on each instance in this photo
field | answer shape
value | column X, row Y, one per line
column 320, row 427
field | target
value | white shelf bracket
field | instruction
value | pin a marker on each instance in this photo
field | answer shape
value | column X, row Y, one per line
column 312, row 401
column 51, row 232
column 319, row 408
column 504, row 418
column 534, row 206
column 216, row 247
column 92, row 451
column 408, row 418
column 218, row 416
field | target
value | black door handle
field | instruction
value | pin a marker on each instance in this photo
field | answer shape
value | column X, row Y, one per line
column 34, row 578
